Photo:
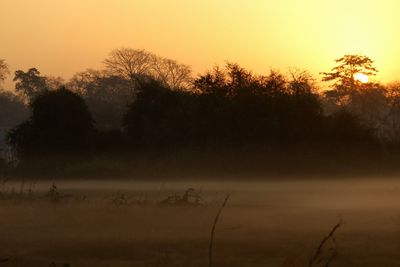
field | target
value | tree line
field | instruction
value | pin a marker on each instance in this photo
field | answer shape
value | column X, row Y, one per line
column 143, row 103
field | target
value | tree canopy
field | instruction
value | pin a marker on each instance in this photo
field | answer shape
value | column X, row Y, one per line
column 60, row 124
column 137, row 105
column 343, row 75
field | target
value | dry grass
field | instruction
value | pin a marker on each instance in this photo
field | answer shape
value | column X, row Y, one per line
column 278, row 225
column 211, row 244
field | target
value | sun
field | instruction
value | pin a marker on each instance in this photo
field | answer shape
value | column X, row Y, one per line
column 361, row 77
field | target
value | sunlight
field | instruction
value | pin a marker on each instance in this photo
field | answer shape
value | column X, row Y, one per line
column 361, row 77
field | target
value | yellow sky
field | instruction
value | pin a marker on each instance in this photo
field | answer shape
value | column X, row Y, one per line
column 61, row 37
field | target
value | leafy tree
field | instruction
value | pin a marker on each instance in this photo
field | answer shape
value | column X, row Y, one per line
column 229, row 107
column 212, row 82
column 366, row 100
column 228, row 81
column 345, row 85
column 301, row 82
column 60, row 125
column 30, row 83
column 348, row 66
column 160, row 117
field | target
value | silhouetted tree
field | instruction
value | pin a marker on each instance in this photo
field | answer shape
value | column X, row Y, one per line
column 129, row 63
column 137, row 64
column 366, row 100
column 348, row 66
column 229, row 107
column 30, row 83
column 343, row 75
column 171, row 73
column 4, row 71
column 213, row 82
column 302, row 82
column 60, row 125
column 159, row 117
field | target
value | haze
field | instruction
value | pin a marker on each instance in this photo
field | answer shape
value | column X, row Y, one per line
column 63, row 37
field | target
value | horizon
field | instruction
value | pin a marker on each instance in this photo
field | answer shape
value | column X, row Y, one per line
column 309, row 35
column 199, row 133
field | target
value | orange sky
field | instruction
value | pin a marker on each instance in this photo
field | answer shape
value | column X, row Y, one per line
column 61, row 37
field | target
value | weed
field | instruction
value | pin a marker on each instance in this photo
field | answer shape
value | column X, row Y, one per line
column 190, row 197
column 325, row 254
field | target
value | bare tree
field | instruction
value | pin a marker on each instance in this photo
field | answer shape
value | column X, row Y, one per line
column 136, row 64
column 171, row 73
column 129, row 63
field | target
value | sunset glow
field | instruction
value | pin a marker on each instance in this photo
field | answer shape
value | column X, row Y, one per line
column 259, row 35
column 212, row 133
column 361, row 77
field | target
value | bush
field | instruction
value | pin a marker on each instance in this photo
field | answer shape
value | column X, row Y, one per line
column 60, row 125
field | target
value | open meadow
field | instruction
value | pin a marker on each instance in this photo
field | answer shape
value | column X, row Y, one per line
column 273, row 223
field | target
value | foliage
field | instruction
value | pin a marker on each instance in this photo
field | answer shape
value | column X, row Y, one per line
column 139, row 108
column 158, row 116
column 30, row 83
column 60, row 124
column 348, row 66
column 343, row 76
column 232, row 107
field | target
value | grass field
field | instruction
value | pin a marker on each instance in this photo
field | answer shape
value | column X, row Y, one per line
column 276, row 223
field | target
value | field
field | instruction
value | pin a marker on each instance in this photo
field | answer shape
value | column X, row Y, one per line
column 273, row 223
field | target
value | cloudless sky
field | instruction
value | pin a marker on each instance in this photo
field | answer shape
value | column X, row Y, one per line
column 61, row 37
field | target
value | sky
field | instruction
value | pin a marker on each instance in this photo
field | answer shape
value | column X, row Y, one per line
column 62, row 37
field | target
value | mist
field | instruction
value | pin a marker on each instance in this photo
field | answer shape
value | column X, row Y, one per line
column 174, row 134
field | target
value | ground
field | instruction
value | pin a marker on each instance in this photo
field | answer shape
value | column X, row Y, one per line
column 275, row 223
